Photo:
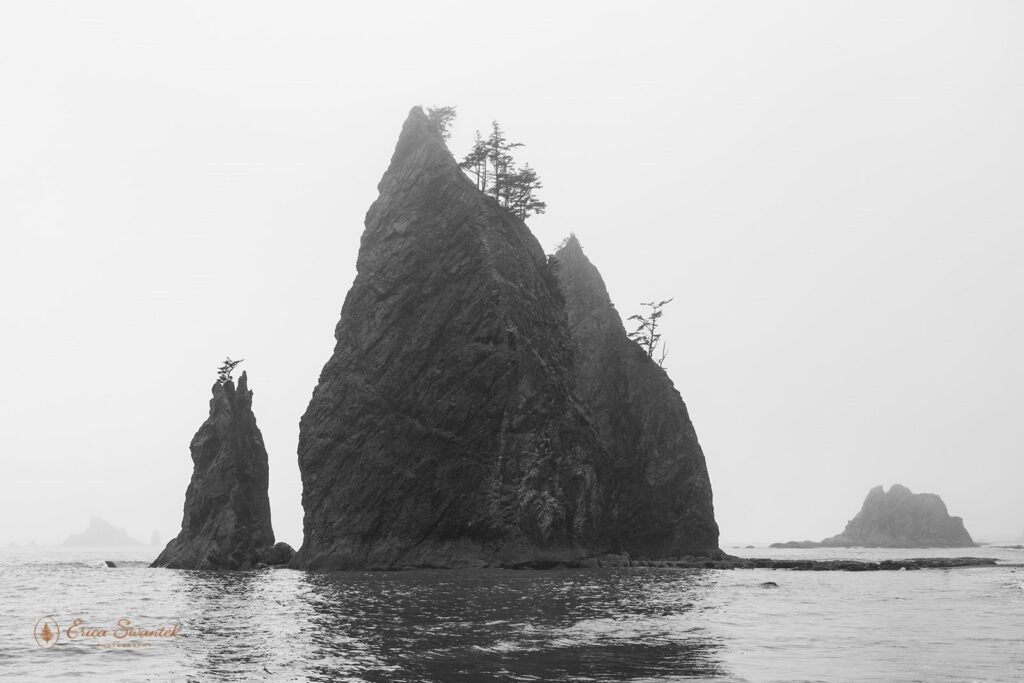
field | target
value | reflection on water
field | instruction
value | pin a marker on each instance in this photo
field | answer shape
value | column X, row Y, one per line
column 446, row 625
column 226, row 623
column 530, row 626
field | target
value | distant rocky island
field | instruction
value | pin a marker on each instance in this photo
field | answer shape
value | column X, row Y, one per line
column 483, row 405
column 100, row 533
column 897, row 518
column 226, row 521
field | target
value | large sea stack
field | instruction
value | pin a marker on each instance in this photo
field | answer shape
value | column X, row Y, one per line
column 226, row 522
column 448, row 428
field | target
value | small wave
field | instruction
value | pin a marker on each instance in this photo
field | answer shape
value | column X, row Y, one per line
column 504, row 647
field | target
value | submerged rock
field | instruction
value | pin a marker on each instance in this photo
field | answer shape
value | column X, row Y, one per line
column 897, row 518
column 446, row 429
column 226, row 522
column 659, row 492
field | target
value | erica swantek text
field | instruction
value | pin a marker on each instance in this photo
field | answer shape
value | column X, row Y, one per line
column 124, row 633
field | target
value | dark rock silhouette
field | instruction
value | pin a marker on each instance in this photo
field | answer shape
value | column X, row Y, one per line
column 226, row 522
column 100, row 533
column 660, row 494
column 898, row 518
column 446, row 429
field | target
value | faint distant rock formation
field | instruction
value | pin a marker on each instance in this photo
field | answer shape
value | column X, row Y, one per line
column 797, row 544
column 155, row 539
column 100, row 533
column 226, row 522
column 448, row 428
column 897, row 518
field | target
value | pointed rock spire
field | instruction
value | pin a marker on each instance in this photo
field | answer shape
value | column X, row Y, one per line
column 444, row 430
column 660, row 494
column 226, row 522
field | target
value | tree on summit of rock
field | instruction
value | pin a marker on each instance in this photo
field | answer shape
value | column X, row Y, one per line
column 490, row 163
column 441, row 118
column 225, row 370
column 646, row 334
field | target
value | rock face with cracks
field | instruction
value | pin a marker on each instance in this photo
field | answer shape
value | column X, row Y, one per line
column 226, row 522
column 660, row 501
column 447, row 429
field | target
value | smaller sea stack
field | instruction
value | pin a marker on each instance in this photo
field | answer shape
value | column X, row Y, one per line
column 898, row 518
column 226, row 523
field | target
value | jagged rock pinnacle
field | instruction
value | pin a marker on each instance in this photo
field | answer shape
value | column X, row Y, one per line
column 226, row 521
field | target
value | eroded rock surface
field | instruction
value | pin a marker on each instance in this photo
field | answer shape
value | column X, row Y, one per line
column 226, row 522
column 447, row 429
column 660, row 494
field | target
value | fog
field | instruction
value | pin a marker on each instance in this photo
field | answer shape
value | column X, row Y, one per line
column 830, row 191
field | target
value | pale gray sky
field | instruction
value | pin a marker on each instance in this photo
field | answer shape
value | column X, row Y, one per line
column 830, row 190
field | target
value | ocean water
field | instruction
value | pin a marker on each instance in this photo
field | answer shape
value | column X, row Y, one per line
column 639, row 624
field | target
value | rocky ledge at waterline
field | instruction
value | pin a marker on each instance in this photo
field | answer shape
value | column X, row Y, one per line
column 461, row 422
column 897, row 518
column 226, row 522
column 821, row 565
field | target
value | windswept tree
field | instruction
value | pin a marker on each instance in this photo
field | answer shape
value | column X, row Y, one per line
column 646, row 334
column 475, row 162
column 521, row 187
column 442, row 118
column 225, row 370
column 491, row 165
column 499, row 156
